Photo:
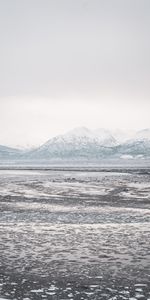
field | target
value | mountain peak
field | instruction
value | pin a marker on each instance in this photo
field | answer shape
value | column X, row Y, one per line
column 84, row 143
column 79, row 131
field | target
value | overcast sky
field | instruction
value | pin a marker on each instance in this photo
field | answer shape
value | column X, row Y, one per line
column 69, row 63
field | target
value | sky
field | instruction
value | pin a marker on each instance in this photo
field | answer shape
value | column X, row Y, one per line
column 70, row 63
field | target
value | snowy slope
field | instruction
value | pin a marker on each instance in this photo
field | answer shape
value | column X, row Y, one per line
column 135, row 148
column 9, row 153
column 143, row 134
column 83, row 135
column 79, row 142
column 85, row 144
column 123, row 135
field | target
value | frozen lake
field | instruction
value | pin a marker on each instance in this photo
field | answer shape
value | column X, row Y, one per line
column 75, row 234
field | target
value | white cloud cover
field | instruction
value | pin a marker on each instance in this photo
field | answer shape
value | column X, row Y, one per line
column 74, row 63
column 32, row 122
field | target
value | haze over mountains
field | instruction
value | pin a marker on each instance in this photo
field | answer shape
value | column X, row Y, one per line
column 84, row 144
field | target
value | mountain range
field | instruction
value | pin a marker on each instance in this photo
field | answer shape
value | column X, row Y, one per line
column 85, row 144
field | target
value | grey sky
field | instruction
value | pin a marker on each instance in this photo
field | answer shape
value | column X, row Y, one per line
column 67, row 63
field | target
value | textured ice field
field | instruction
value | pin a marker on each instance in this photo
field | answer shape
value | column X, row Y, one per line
column 68, row 234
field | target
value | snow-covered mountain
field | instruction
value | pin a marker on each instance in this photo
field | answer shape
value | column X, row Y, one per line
column 123, row 135
column 83, row 135
column 135, row 148
column 9, row 153
column 79, row 142
column 85, row 144
column 137, row 145
column 143, row 134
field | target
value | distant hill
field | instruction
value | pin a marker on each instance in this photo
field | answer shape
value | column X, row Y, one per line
column 9, row 153
column 85, row 144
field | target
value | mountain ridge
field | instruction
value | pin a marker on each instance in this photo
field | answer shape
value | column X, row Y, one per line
column 82, row 143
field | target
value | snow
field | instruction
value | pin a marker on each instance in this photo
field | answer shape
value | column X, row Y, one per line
column 100, row 136
column 80, row 142
column 123, row 135
column 139, row 185
column 88, row 235
column 125, row 156
column 143, row 134
column 80, row 132
column 83, row 143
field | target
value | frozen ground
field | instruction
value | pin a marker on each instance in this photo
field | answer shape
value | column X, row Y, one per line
column 75, row 234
